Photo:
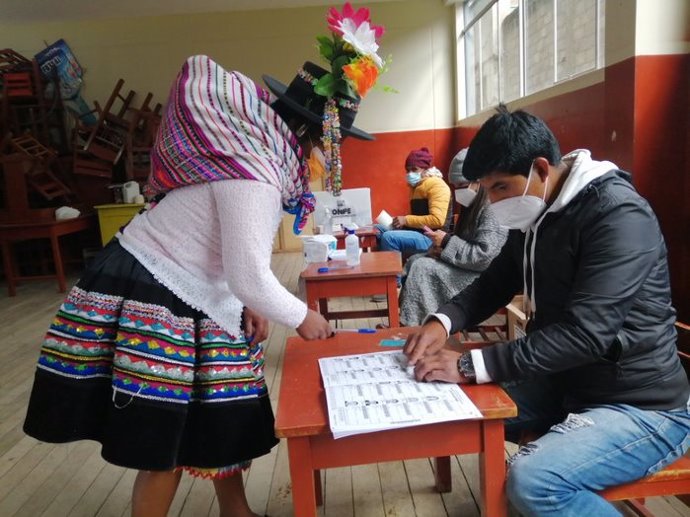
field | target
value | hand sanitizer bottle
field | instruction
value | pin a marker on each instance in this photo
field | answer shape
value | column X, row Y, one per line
column 352, row 248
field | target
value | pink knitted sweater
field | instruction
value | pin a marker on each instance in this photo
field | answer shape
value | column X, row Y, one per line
column 211, row 245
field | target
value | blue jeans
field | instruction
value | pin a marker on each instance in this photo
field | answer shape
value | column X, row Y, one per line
column 598, row 447
column 404, row 241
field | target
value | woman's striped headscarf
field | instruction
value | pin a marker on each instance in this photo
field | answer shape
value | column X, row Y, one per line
column 219, row 125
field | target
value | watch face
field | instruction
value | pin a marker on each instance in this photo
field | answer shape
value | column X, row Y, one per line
column 466, row 366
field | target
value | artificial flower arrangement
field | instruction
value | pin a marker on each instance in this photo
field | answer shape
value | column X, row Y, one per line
column 351, row 51
column 355, row 66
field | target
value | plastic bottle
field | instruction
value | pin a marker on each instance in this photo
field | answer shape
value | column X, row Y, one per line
column 352, row 248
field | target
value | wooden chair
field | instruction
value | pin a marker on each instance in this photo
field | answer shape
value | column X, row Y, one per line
column 672, row 480
column 106, row 139
column 30, row 105
column 140, row 138
column 39, row 173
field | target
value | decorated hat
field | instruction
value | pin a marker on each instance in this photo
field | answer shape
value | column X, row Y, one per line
column 301, row 98
column 332, row 95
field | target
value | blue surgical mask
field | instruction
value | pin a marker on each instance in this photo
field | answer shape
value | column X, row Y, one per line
column 413, row 178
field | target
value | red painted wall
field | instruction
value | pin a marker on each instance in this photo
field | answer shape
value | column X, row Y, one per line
column 638, row 118
column 380, row 165
column 661, row 161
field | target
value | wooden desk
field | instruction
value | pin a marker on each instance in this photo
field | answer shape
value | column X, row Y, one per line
column 377, row 273
column 13, row 232
column 367, row 239
column 302, row 418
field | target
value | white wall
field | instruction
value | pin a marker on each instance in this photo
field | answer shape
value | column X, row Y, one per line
column 148, row 51
column 662, row 27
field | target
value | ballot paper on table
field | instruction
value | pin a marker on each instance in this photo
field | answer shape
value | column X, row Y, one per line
column 377, row 391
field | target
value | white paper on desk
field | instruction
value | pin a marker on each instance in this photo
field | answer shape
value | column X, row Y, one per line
column 377, row 391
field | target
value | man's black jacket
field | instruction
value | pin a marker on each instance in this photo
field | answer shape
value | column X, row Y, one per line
column 604, row 325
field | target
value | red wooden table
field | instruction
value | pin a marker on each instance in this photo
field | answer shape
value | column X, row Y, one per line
column 367, row 238
column 53, row 230
column 302, row 419
column 377, row 273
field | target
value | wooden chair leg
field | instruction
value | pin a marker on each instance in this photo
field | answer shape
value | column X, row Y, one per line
column 8, row 265
column 444, row 484
column 318, row 491
column 57, row 259
column 637, row 507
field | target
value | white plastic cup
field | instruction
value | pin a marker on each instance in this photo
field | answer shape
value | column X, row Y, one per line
column 384, row 219
column 139, row 199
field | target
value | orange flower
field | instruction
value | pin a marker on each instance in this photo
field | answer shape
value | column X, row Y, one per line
column 362, row 75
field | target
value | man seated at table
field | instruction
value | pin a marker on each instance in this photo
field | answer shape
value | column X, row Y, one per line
column 597, row 376
column 430, row 206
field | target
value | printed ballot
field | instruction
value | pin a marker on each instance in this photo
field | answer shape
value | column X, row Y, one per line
column 378, row 391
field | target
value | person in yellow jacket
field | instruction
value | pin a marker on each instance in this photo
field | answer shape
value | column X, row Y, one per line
column 430, row 207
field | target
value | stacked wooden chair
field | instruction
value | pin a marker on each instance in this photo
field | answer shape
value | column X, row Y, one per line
column 121, row 131
column 41, row 168
column 27, row 104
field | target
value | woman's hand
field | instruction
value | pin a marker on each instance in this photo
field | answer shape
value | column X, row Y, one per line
column 255, row 326
column 436, row 237
column 441, row 366
column 434, row 251
column 314, row 326
column 430, row 339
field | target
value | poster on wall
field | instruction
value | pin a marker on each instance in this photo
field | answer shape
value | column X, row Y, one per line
column 57, row 60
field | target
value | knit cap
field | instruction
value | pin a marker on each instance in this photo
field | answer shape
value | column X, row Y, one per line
column 455, row 176
column 419, row 159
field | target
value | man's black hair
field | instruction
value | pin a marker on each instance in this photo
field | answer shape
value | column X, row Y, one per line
column 509, row 142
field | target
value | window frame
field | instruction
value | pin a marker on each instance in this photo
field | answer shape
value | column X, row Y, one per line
column 464, row 106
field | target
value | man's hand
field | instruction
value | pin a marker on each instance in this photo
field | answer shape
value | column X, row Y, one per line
column 399, row 221
column 255, row 326
column 314, row 326
column 441, row 366
column 430, row 339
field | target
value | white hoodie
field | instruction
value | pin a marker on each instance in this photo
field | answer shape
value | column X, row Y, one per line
column 583, row 170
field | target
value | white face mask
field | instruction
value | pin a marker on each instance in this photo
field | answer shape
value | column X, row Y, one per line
column 465, row 196
column 519, row 212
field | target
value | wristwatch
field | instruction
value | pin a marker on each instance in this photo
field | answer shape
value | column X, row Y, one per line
column 466, row 366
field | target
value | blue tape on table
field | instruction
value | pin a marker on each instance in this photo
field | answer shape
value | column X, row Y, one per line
column 392, row 342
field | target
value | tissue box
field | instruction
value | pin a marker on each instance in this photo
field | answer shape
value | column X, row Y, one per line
column 318, row 248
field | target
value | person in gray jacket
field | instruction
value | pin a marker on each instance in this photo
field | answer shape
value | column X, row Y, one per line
column 598, row 372
column 455, row 259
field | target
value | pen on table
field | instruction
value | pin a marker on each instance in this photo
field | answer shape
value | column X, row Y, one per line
column 358, row 331
column 332, row 268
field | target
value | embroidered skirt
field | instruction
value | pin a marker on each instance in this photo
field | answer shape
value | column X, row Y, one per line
column 161, row 386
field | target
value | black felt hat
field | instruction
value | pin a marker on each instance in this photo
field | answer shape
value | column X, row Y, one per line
column 300, row 97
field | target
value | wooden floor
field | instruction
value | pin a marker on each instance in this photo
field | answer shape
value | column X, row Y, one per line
column 39, row 479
